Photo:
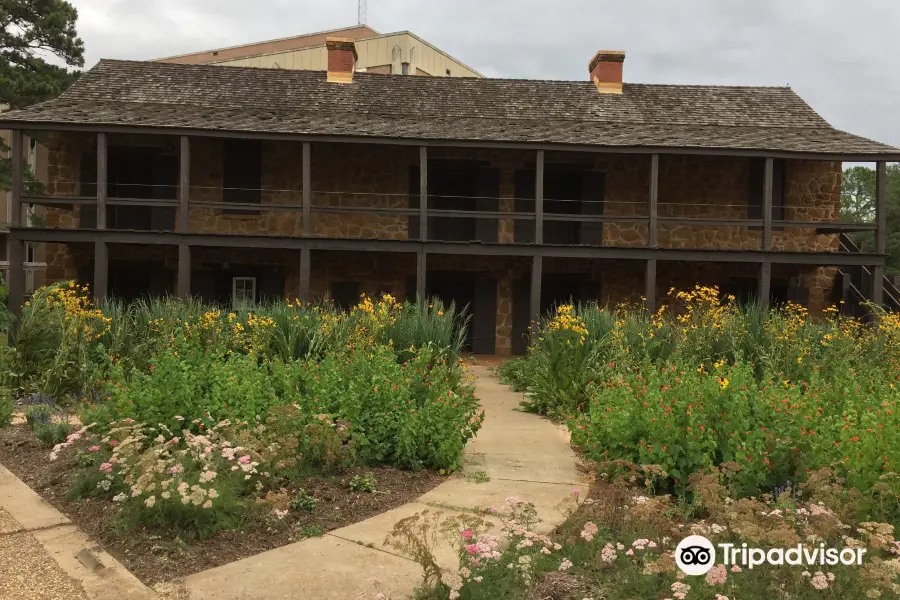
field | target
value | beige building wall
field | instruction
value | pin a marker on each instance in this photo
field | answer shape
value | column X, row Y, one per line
column 380, row 54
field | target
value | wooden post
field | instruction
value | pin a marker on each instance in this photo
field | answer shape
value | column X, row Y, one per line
column 307, row 202
column 16, row 248
column 539, row 201
column 880, row 212
column 305, row 274
column 183, row 289
column 184, row 189
column 423, row 197
column 16, row 282
column 101, row 270
column 652, row 233
column 421, row 266
column 877, row 283
column 765, row 284
column 101, row 180
column 767, row 207
column 537, row 272
column 18, row 166
column 650, row 285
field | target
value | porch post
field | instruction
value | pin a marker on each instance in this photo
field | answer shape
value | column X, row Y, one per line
column 765, row 284
column 537, row 272
column 307, row 205
column 184, row 187
column 539, row 201
column 652, row 239
column 767, row 205
column 421, row 266
column 101, row 251
column 16, row 247
column 877, row 292
column 423, row 199
column 650, row 285
column 305, row 274
column 101, row 270
column 183, row 289
column 101, row 180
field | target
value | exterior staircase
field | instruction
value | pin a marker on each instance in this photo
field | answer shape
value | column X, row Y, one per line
column 855, row 283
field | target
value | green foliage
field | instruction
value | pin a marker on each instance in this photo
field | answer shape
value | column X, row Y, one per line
column 364, row 483
column 32, row 30
column 53, row 433
column 304, row 501
column 858, row 205
column 706, row 383
column 7, row 407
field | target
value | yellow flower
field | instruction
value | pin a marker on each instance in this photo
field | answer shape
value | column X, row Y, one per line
column 723, row 382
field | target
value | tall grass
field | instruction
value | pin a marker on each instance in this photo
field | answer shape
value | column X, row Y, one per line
column 62, row 337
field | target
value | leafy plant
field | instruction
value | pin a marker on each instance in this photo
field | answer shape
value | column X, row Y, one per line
column 53, row 433
column 364, row 483
column 304, row 501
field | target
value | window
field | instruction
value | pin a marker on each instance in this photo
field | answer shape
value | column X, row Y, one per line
column 242, row 173
column 404, row 68
column 448, row 73
column 243, row 293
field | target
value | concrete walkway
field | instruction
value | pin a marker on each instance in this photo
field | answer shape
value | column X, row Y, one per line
column 44, row 557
column 520, row 454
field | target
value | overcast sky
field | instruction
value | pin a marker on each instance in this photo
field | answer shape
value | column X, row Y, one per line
column 839, row 55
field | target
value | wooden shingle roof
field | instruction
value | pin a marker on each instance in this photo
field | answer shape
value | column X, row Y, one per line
column 238, row 99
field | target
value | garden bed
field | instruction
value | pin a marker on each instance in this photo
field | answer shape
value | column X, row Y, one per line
column 155, row 557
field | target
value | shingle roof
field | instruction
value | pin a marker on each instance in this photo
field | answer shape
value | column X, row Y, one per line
column 204, row 97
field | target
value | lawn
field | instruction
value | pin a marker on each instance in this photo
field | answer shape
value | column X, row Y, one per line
column 206, row 435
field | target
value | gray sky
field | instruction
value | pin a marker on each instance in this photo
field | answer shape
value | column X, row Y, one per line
column 839, row 55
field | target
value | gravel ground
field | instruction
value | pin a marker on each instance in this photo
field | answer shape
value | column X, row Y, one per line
column 28, row 573
column 8, row 524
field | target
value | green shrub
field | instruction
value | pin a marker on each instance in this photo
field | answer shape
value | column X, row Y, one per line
column 364, row 483
column 304, row 501
column 53, row 433
column 7, row 407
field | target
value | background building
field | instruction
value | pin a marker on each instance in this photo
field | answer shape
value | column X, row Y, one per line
column 401, row 53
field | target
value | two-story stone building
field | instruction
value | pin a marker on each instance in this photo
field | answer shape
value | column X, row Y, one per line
column 237, row 184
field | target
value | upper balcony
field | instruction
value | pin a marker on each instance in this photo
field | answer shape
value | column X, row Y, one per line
column 357, row 191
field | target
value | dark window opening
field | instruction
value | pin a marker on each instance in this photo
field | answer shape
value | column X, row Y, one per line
column 458, row 185
column 132, row 173
column 757, row 186
column 404, row 68
column 242, row 174
column 568, row 190
column 345, row 294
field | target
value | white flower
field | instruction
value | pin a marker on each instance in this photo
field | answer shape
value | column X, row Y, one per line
column 120, row 497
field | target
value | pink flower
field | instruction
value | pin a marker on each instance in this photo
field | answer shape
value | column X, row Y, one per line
column 575, row 492
column 105, row 468
column 629, row 552
column 93, row 448
column 175, row 470
column 589, row 531
column 467, row 535
column 113, row 442
column 717, row 575
column 472, row 549
column 736, row 569
column 244, row 460
column 819, row 581
column 565, row 565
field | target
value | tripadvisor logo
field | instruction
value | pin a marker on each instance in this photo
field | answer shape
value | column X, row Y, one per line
column 696, row 555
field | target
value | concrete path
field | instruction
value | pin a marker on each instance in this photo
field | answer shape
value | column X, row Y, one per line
column 44, row 557
column 519, row 455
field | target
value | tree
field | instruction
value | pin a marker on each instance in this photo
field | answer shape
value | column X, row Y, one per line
column 858, row 206
column 30, row 32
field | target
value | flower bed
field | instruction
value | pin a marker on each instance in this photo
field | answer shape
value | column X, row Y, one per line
column 200, row 422
column 704, row 384
column 620, row 541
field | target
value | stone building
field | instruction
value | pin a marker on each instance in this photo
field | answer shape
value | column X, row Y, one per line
column 506, row 196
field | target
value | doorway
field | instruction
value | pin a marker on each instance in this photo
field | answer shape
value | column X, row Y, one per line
column 477, row 294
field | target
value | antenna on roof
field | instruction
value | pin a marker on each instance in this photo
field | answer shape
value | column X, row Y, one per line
column 361, row 12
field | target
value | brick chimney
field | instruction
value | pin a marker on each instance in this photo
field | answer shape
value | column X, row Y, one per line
column 606, row 71
column 341, row 59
